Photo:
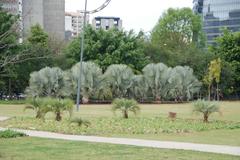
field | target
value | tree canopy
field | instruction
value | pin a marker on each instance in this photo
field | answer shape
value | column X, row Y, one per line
column 228, row 49
column 178, row 28
column 109, row 47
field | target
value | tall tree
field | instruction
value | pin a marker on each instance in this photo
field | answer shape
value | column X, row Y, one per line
column 213, row 75
column 228, row 49
column 177, row 40
column 36, row 44
column 13, row 54
column 178, row 28
column 110, row 47
column 8, row 39
column 11, row 51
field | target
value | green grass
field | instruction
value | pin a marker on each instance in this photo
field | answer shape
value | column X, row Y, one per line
column 12, row 101
column 132, row 126
column 11, row 134
column 151, row 123
column 230, row 110
column 38, row 149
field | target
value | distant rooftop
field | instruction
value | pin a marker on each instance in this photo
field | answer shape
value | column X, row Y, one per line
column 117, row 18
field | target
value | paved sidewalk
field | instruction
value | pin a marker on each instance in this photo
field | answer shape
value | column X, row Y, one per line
column 221, row 149
column 4, row 118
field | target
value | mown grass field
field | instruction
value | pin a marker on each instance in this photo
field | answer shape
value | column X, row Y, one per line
column 151, row 123
column 35, row 149
column 230, row 110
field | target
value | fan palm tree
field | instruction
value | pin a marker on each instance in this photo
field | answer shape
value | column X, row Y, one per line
column 91, row 80
column 139, row 89
column 58, row 106
column 39, row 105
column 157, row 76
column 48, row 82
column 206, row 108
column 119, row 77
column 184, row 83
column 125, row 105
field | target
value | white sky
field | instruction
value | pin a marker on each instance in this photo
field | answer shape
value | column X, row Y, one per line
column 136, row 14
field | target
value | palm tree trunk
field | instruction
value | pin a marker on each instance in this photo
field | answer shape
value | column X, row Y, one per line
column 209, row 92
column 39, row 115
column 125, row 114
column 205, row 118
column 58, row 116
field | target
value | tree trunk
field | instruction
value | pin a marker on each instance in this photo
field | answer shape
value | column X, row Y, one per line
column 39, row 115
column 125, row 114
column 58, row 116
column 9, row 88
column 209, row 92
column 205, row 118
column 85, row 100
column 217, row 93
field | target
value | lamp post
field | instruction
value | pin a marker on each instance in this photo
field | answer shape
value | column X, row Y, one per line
column 85, row 12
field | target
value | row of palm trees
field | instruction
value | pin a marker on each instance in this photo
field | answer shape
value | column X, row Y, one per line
column 157, row 82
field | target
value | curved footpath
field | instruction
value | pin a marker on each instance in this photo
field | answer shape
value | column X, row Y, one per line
column 221, row 149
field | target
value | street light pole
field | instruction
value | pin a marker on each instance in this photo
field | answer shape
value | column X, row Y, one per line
column 85, row 12
column 81, row 57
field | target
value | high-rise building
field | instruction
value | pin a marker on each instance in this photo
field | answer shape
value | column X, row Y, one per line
column 198, row 6
column 12, row 6
column 47, row 13
column 74, row 22
column 218, row 14
column 107, row 22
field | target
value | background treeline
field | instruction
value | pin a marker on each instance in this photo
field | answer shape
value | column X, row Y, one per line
column 176, row 40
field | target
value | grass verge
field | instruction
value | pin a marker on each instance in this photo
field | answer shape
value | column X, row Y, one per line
column 110, row 126
column 38, row 149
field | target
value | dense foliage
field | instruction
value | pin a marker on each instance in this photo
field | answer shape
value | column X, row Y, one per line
column 178, row 28
column 109, row 47
column 228, row 49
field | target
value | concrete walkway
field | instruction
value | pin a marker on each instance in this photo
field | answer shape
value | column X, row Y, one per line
column 221, row 149
column 4, row 118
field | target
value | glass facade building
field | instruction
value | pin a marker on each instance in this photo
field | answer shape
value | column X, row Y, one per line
column 218, row 14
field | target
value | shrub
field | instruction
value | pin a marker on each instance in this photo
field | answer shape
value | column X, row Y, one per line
column 206, row 108
column 44, row 105
column 125, row 105
column 80, row 122
column 58, row 106
column 11, row 134
column 40, row 106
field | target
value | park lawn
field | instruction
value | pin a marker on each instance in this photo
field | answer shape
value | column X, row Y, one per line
column 36, row 149
column 217, row 137
column 230, row 111
column 15, row 102
column 223, row 134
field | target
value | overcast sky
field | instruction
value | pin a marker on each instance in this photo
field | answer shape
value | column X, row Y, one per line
column 136, row 14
